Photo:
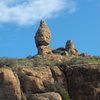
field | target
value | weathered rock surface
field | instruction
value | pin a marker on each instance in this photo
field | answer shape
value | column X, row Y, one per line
column 44, row 50
column 46, row 96
column 41, row 79
column 34, row 80
column 84, row 54
column 59, row 77
column 43, row 35
column 42, row 39
column 71, row 49
column 60, row 51
column 84, row 82
column 9, row 86
column 45, row 83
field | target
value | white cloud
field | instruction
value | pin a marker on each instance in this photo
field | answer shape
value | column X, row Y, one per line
column 25, row 12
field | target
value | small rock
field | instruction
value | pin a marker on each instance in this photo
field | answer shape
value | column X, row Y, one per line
column 71, row 49
column 46, row 96
column 83, row 54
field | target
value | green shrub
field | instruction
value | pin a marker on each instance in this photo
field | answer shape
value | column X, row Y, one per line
column 80, row 60
column 61, row 90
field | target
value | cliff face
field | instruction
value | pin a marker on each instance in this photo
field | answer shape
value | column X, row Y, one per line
column 37, row 83
column 50, row 83
column 9, row 86
column 84, row 82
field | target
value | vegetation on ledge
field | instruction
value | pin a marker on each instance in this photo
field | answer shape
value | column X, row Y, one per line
column 47, row 60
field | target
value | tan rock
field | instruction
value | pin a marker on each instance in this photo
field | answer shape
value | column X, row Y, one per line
column 36, row 79
column 71, row 49
column 60, row 51
column 43, row 35
column 44, row 50
column 84, row 54
column 59, row 77
column 84, row 82
column 46, row 96
column 9, row 85
column 41, row 79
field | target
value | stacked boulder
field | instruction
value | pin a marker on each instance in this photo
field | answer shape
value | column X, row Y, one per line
column 71, row 49
column 42, row 39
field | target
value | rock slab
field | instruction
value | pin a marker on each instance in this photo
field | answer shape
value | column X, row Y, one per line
column 84, row 82
column 9, row 85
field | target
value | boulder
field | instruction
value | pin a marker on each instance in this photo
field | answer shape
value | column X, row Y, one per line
column 71, row 49
column 43, row 36
column 41, row 79
column 46, row 96
column 9, row 86
column 44, row 50
column 84, row 54
column 84, row 82
column 35, row 80
column 60, row 51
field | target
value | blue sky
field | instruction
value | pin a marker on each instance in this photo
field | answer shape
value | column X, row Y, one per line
column 77, row 20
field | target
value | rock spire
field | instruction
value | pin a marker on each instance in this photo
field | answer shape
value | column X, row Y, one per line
column 43, row 35
column 42, row 38
column 71, row 49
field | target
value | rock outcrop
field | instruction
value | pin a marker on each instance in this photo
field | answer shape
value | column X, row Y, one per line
column 9, row 86
column 50, row 83
column 46, row 96
column 36, row 80
column 42, row 39
column 41, row 79
column 33, row 80
column 71, row 49
column 84, row 82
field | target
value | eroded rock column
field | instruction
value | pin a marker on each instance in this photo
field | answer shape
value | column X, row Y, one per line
column 42, row 39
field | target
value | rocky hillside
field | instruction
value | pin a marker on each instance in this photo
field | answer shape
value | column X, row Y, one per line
column 52, row 74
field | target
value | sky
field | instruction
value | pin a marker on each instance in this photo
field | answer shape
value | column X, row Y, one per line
column 77, row 20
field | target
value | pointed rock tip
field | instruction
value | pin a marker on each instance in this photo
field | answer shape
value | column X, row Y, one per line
column 42, row 22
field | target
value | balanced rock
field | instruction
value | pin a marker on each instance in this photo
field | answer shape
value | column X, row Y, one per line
column 43, row 35
column 42, row 39
column 71, row 49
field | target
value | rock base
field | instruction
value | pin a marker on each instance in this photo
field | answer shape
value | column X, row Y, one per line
column 44, row 50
